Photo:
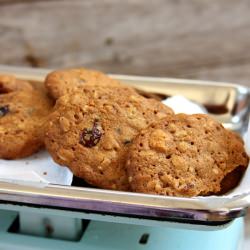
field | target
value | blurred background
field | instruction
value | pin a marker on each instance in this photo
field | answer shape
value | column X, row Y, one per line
column 207, row 39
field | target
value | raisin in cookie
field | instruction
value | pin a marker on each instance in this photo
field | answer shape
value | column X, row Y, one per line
column 183, row 155
column 22, row 115
column 9, row 83
column 90, row 131
column 61, row 82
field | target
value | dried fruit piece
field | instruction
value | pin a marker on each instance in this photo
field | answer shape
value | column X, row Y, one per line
column 4, row 110
column 90, row 137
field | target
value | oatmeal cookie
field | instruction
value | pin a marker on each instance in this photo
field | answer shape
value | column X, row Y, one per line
column 61, row 82
column 184, row 155
column 91, row 129
column 9, row 83
column 22, row 115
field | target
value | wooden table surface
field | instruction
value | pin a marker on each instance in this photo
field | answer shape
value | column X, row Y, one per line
column 207, row 39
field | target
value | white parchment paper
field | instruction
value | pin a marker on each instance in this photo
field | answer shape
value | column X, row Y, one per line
column 38, row 169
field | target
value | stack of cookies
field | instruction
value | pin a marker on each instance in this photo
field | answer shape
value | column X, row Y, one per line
column 113, row 137
column 23, row 112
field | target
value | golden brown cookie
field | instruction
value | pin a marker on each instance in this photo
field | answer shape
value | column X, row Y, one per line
column 232, row 179
column 91, row 130
column 9, row 83
column 61, row 82
column 22, row 116
column 184, row 155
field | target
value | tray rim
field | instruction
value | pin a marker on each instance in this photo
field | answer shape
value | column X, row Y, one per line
column 55, row 196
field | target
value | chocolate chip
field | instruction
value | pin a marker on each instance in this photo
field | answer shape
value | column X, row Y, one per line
column 4, row 110
column 91, row 136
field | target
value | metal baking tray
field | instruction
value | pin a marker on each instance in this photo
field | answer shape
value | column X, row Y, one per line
column 228, row 103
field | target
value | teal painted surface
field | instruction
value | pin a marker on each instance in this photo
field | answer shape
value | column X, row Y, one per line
column 116, row 236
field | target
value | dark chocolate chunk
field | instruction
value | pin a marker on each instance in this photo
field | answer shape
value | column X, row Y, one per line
column 91, row 136
column 4, row 110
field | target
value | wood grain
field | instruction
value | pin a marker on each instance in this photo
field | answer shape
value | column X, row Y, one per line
column 207, row 39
